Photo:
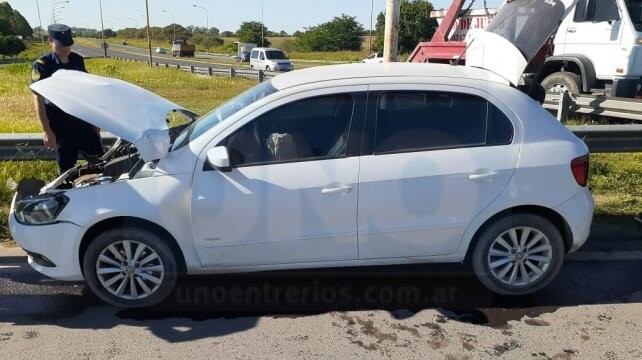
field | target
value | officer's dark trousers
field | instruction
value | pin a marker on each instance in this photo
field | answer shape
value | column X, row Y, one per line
column 69, row 145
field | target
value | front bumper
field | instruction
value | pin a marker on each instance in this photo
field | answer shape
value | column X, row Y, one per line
column 578, row 213
column 58, row 242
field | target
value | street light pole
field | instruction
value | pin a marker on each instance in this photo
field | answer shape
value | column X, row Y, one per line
column 42, row 38
column 149, row 39
column 102, row 28
column 262, row 25
column 173, row 22
column 207, row 25
column 53, row 9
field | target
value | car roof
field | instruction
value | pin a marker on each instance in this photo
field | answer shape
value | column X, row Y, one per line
column 360, row 71
column 266, row 49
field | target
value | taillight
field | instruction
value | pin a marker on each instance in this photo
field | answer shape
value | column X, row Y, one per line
column 580, row 169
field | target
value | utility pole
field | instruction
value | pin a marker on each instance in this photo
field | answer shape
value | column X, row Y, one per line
column 149, row 39
column 262, row 26
column 42, row 37
column 371, row 15
column 102, row 28
column 391, row 37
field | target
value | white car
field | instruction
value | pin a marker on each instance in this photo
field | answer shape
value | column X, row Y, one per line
column 270, row 59
column 347, row 165
column 376, row 58
column 160, row 50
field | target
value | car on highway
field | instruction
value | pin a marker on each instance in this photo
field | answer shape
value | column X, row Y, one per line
column 375, row 58
column 160, row 50
column 270, row 59
column 346, row 165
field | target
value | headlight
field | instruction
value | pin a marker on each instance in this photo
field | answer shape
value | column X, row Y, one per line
column 41, row 209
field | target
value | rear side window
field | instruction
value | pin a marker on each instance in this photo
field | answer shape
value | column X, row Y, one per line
column 416, row 121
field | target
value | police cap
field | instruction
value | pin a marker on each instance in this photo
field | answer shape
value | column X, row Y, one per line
column 61, row 33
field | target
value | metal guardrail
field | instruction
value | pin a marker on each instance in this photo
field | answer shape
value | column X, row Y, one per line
column 599, row 138
column 621, row 108
column 260, row 75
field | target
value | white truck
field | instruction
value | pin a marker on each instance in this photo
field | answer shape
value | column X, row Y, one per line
column 597, row 47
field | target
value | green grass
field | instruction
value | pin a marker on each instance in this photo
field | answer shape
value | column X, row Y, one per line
column 197, row 93
column 616, row 183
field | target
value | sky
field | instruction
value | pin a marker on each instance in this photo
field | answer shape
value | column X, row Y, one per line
column 288, row 15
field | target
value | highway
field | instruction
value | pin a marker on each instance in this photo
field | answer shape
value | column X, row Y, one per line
column 592, row 310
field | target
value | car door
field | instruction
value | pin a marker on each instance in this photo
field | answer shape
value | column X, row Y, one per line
column 436, row 157
column 291, row 196
column 254, row 59
column 593, row 34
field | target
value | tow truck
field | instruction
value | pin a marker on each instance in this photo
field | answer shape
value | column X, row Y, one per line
column 596, row 49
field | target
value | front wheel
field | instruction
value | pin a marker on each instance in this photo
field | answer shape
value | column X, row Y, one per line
column 130, row 268
column 518, row 254
column 559, row 82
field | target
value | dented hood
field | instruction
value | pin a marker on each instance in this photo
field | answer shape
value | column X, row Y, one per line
column 517, row 33
column 126, row 110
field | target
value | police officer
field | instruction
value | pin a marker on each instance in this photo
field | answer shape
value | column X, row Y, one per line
column 66, row 134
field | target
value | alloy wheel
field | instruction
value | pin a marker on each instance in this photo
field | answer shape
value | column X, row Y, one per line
column 520, row 256
column 130, row 270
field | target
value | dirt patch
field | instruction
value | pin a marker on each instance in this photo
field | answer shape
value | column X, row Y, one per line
column 536, row 322
column 499, row 350
column 411, row 330
column 30, row 334
column 468, row 341
column 5, row 336
column 437, row 335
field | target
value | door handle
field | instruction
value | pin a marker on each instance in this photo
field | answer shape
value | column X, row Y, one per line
column 336, row 190
column 483, row 174
column 571, row 30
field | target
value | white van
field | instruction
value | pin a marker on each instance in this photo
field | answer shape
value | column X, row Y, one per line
column 270, row 59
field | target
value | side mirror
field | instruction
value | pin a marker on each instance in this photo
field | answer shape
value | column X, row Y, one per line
column 219, row 158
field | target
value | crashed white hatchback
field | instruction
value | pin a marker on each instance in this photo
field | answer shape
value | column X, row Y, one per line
column 348, row 165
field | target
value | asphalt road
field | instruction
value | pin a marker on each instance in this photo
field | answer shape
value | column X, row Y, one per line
column 203, row 60
column 592, row 310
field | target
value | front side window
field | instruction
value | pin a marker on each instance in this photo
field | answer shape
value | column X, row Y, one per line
column 416, row 121
column 310, row 129
column 634, row 8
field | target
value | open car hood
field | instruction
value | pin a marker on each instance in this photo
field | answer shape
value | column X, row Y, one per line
column 517, row 33
column 124, row 109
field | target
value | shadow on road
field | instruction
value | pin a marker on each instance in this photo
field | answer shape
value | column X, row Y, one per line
column 212, row 306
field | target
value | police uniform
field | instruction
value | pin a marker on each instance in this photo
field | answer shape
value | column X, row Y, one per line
column 73, row 135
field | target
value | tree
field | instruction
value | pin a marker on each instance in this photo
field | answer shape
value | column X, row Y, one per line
column 250, row 32
column 227, row 34
column 109, row 33
column 415, row 25
column 11, row 46
column 342, row 33
column 13, row 23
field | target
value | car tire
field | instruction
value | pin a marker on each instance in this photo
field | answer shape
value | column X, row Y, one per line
column 491, row 257
column 563, row 81
column 153, row 271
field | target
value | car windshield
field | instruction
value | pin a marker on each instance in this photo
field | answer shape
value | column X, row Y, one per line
column 275, row 55
column 202, row 125
column 634, row 7
column 528, row 23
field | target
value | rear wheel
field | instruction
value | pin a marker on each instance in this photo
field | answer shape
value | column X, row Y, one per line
column 559, row 82
column 518, row 254
column 130, row 268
